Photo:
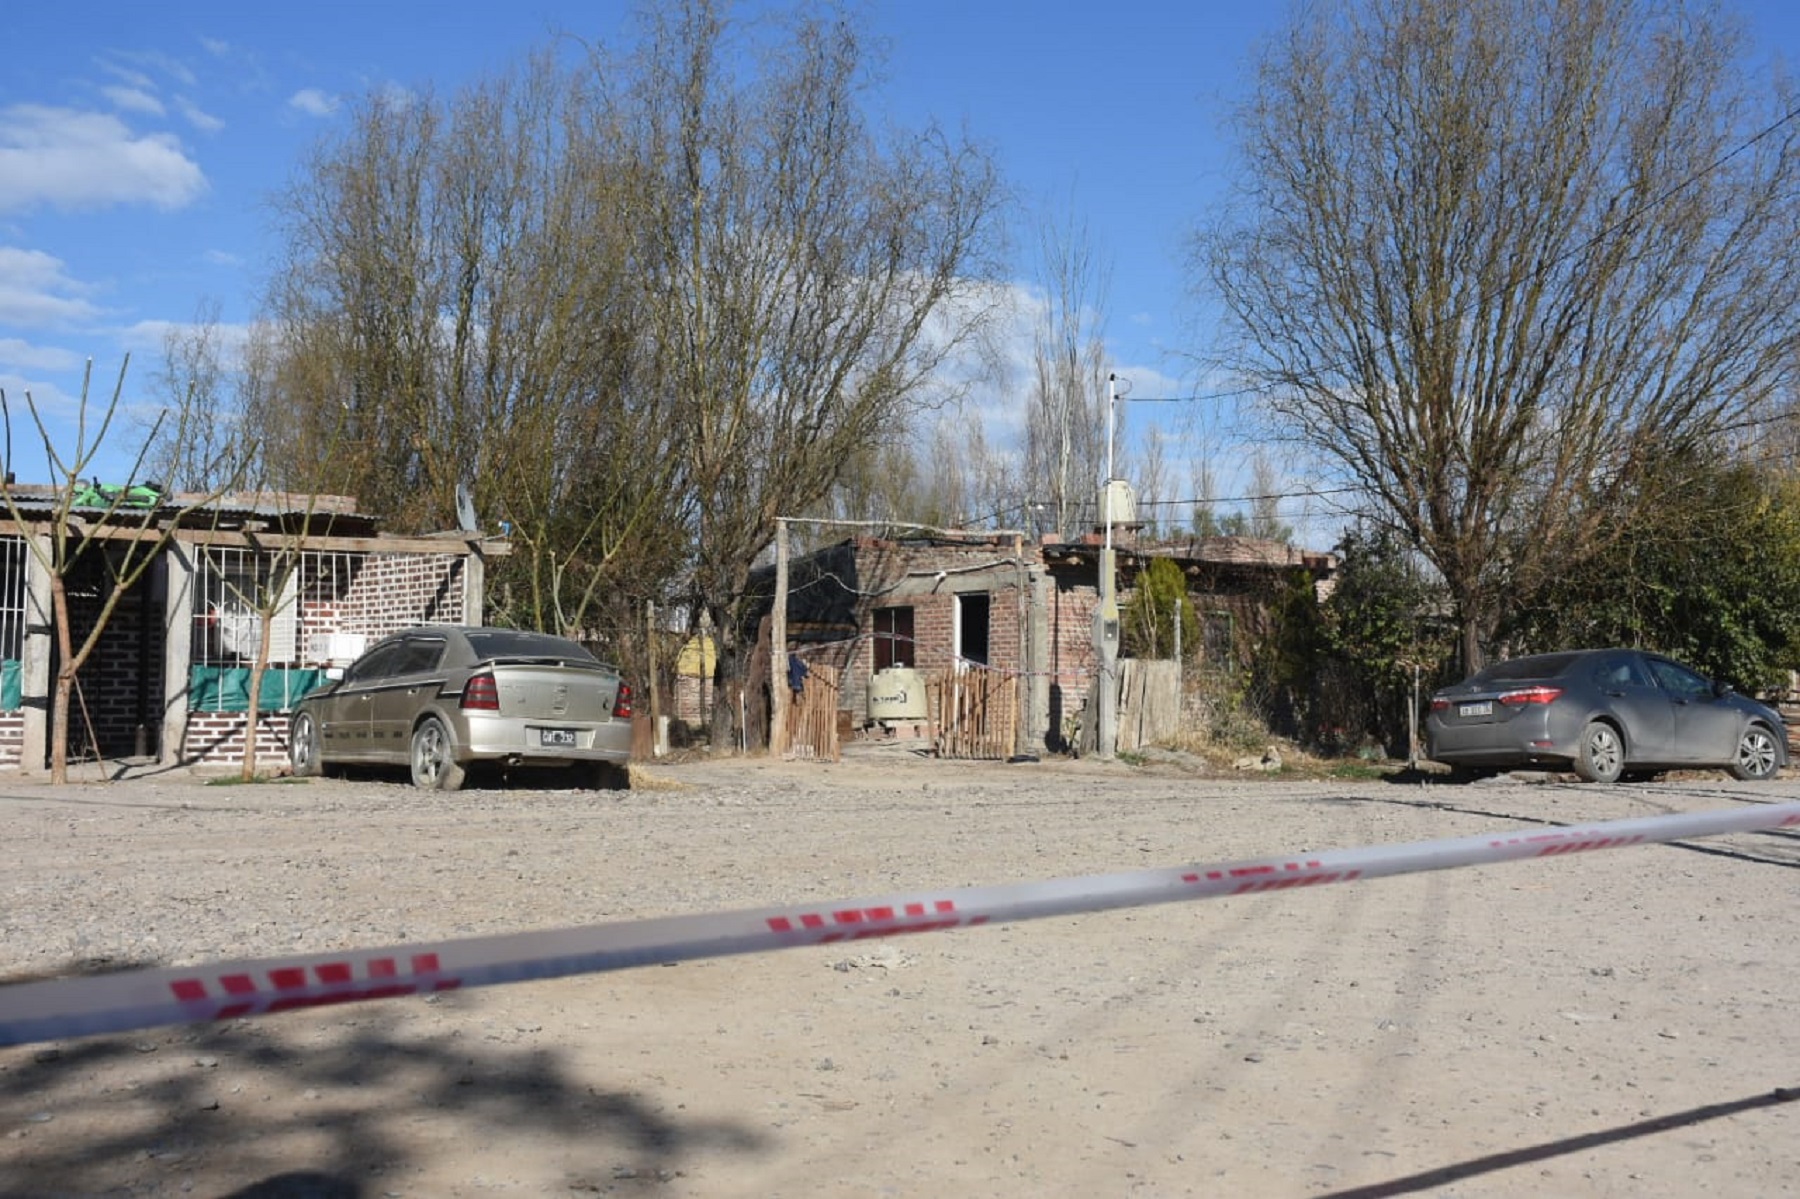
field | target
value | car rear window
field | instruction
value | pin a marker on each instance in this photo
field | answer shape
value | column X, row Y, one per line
column 511, row 643
column 1538, row 666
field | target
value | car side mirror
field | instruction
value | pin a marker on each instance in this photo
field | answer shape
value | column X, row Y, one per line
column 1721, row 688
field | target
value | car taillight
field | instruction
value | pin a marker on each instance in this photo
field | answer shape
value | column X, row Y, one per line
column 1529, row 695
column 622, row 702
column 481, row 693
column 1439, row 704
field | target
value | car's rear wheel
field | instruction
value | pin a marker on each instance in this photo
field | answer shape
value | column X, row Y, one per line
column 1757, row 755
column 433, row 757
column 303, row 746
column 1601, row 758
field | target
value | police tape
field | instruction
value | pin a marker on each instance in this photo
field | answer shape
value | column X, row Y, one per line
column 81, row 1006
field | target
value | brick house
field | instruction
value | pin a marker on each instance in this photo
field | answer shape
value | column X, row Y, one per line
column 169, row 678
column 993, row 602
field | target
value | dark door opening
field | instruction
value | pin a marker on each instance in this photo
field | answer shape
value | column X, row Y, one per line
column 972, row 628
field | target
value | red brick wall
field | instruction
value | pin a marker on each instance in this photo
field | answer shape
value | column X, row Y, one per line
column 396, row 591
column 217, row 738
column 880, row 567
column 1073, row 663
column 12, row 737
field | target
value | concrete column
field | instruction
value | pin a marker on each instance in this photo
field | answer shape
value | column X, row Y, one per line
column 179, row 569
column 36, row 655
column 1037, row 639
column 474, row 587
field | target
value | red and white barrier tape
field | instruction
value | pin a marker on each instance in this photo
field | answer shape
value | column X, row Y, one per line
column 70, row 1007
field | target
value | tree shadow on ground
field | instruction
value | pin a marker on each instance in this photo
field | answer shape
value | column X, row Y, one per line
column 308, row 1106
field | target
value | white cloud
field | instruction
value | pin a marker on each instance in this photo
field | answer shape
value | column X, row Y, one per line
column 198, row 117
column 217, row 47
column 146, row 335
column 156, row 60
column 136, row 80
column 73, row 159
column 49, row 399
column 22, row 355
column 313, row 102
column 133, row 99
column 224, row 258
column 35, row 293
column 151, row 335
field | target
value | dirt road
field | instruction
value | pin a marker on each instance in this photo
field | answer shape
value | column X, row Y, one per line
column 1612, row 1024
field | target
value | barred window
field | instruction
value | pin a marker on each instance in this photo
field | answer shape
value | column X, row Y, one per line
column 301, row 598
column 15, row 563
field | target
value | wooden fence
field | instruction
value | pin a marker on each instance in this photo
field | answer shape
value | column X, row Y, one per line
column 1149, row 701
column 812, row 718
column 974, row 713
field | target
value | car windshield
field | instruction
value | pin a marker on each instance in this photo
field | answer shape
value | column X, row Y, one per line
column 1540, row 666
column 511, row 643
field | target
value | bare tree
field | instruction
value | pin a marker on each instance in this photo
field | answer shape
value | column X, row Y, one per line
column 1496, row 255
column 462, row 305
column 1152, row 473
column 807, row 275
column 645, row 304
column 1065, row 440
column 1204, row 480
column 195, row 377
column 1265, row 500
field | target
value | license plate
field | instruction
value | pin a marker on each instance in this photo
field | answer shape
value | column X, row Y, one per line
column 1484, row 708
column 556, row 737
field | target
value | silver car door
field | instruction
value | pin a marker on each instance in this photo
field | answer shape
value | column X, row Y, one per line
column 345, row 715
column 410, row 682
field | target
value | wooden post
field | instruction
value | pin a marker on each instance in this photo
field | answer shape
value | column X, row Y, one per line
column 1021, row 679
column 1178, row 647
column 778, row 657
column 650, row 658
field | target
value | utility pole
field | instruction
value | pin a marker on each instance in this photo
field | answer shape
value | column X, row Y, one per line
column 1106, row 619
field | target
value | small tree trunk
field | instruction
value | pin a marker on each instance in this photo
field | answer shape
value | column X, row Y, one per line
column 65, row 683
column 253, row 709
column 1471, row 645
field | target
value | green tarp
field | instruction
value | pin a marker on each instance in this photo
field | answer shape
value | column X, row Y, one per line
column 227, row 688
column 12, row 689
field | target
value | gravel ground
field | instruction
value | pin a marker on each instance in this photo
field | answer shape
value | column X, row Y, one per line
column 1612, row 1024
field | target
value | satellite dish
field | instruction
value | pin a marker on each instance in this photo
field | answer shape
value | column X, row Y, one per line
column 465, row 510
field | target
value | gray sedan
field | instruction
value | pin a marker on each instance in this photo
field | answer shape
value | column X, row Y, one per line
column 443, row 700
column 1605, row 714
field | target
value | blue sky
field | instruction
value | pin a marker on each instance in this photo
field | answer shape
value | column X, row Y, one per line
column 139, row 145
